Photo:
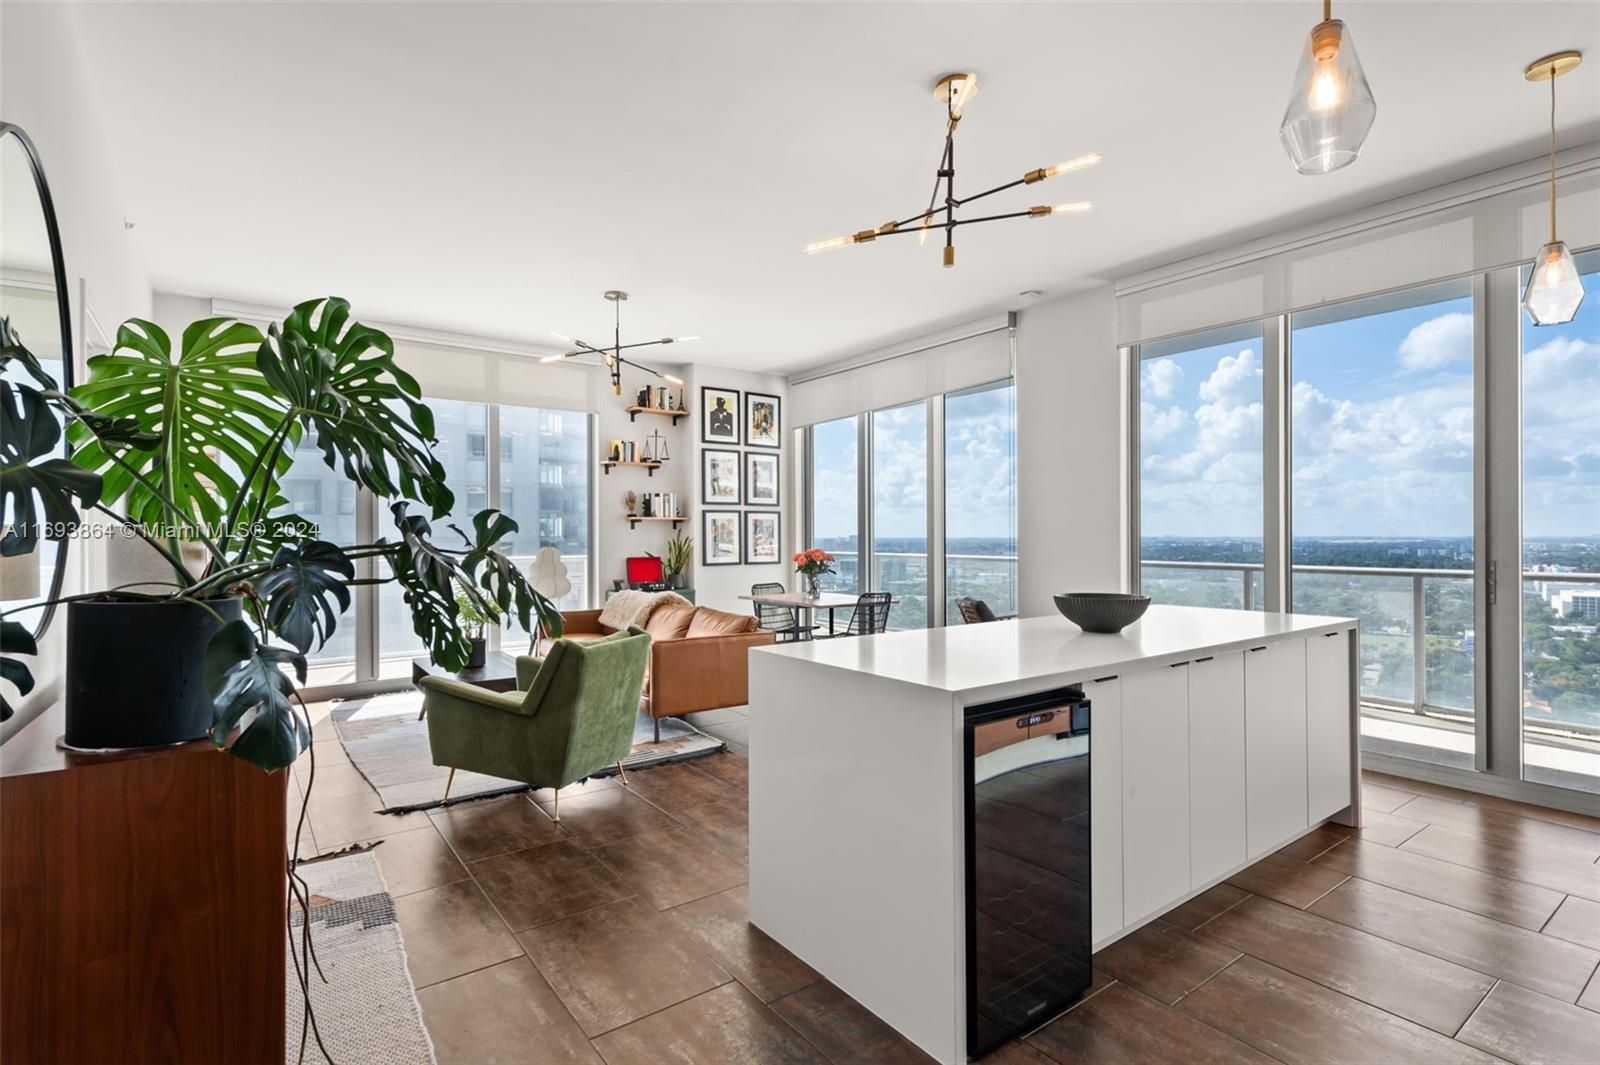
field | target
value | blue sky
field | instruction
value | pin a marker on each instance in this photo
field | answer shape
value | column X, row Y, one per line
column 1382, row 429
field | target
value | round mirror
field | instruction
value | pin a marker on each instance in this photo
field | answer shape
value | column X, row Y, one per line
column 33, row 296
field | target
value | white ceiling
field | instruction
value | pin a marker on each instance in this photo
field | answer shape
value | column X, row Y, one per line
column 491, row 168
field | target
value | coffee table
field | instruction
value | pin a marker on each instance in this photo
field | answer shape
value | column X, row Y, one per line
column 498, row 674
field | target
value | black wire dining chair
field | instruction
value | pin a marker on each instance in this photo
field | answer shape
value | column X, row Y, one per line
column 869, row 617
column 783, row 620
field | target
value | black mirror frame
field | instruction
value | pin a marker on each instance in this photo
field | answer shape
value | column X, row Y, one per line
column 64, row 308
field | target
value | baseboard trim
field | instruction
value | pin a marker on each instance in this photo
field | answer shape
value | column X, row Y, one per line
column 1576, row 802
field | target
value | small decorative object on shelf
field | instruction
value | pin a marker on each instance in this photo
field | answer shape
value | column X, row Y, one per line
column 811, row 564
column 655, row 447
column 632, row 501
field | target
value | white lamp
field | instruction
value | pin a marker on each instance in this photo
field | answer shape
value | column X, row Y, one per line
column 547, row 575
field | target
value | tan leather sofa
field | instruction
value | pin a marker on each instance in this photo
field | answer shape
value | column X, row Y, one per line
column 698, row 656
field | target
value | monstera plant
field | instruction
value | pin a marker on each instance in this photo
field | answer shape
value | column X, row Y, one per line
column 185, row 449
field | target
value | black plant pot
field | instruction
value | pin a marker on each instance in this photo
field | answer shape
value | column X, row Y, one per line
column 480, row 651
column 136, row 671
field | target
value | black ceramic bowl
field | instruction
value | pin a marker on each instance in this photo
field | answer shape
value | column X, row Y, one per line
column 1102, row 611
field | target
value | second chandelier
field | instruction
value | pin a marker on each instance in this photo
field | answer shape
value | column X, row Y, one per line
column 955, row 91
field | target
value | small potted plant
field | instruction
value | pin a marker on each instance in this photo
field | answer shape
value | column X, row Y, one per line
column 474, row 620
column 811, row 564
column 680, row 549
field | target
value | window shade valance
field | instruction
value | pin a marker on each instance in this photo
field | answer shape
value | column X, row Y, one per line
column 947, row 362
column 1468, row 227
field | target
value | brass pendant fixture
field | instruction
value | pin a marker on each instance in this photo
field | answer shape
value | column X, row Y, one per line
column 613, row 357
column 955, row 91
column 1554, row 290
column 1331, row 108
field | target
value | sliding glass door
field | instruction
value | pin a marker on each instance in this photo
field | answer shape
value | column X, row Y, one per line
column 980, row 498
column 1561, row 545
column 835, row 501
column 900, row 512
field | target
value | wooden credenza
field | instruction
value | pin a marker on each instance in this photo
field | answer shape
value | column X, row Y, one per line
column 142, row 904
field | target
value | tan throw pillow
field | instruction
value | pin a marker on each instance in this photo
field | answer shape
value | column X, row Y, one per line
column 708, row 622
column 669, row 622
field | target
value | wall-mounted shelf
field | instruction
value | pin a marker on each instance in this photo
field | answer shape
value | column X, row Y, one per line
column 651, row 466
column 635, row 410
column 635, row 519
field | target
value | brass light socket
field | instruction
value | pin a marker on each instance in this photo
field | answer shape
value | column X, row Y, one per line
column 889, row 227
column 864, row 236
column 1326, row 37
column 949, row 254
column 1034, row 175
column 1038, row 212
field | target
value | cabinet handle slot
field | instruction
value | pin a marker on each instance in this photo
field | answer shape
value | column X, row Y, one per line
column 1102, row 680
column 1327, row 635
column 1253, row 650
column 1175, row 665
column 1207, row 658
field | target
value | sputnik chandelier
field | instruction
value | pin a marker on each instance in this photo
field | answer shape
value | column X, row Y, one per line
column 955, row 91
column 612, row 357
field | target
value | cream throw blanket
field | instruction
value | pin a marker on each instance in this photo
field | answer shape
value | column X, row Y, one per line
column 634, row 608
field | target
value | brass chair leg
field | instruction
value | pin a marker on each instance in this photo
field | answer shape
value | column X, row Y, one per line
column 555, row 806
column 623, row 773
column 447, row 782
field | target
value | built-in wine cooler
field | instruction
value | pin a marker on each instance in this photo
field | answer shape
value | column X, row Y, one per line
column 1027, row 841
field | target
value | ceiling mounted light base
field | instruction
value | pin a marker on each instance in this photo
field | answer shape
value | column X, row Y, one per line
column 615, row 295
column 1553, row 66
column 955, row 91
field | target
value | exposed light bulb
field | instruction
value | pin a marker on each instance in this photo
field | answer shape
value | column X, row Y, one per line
column 1080, row 163
column 962, row 90
column 553, row 358
column 829, row 244
column 1331, row 108
column 561, row 337
column 1327, row 91
column 1072, row 208
column 1554, row 290
column 675, row 380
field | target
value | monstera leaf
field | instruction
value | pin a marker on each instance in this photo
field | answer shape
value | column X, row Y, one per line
column 205, row 417
column 15, row 639
column 342, row 379
column 497, row 575
column 245, row 675
column 427, row 577
column 30, row 483
column 305, row 592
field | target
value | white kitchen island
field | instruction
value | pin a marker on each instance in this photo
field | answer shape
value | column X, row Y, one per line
column 1217, row 737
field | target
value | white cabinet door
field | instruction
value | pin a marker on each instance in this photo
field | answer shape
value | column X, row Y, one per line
column 1105, row 805
column 1155, row 789
column 1216, row 767
column 1275, row 743
column 1327, row 723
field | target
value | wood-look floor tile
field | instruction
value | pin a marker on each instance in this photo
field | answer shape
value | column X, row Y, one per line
column 345, row 819
column 1539, row 813
column 1543, row 963
column 1495, row 824
column 1016, row 1052
column 1590, row 999
column 719, row 925
column 1578, row 921
column 1315, row 842
column 1292, row 882
column 1387, row 829
column 680, row 786
column 488, row 827
column 607, row 815
column 546, row 883
column 1119, row 1026
column 1383, row 799
column 1204, row 906
column 725, row 824
column 616, row 963
column 845, row 1030
column 673, row 867
column 1403, row 981
column 732, row 769
column 1163, row 961
column 496, row 1015
column 1511, row 901
column 1526, row 1027
column 573, row 791
column 1416, row 787
column 451, row 930
column 1297, row 1020
column 722, row 1025
column 1518, row 860
column 416, row 861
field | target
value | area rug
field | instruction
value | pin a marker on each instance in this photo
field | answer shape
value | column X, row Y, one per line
column 389, row 747
column 367, row 1011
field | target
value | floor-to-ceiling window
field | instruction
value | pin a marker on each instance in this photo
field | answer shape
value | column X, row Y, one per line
column 833, row 452
column 1561, row 545
column 980, row 498
column 1383, row 503
column 326, row 498
column 1200, row 464
column 544, row 486
column 900, row 511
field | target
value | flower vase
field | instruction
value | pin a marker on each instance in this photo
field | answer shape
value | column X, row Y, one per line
column 813, row 584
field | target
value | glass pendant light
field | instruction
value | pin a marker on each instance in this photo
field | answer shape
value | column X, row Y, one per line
column 1331, row 106
column 1554, row 291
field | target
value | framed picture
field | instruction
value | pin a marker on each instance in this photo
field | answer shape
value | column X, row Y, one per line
column 719, row 415
column 720, row 536
column 761, row 537
column 760, row 479
column 762, row 425
column 719, row 476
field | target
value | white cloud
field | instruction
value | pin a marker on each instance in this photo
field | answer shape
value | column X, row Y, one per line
column 1156, row 424
column 1161, row 376
column 1437, row 343
column 1235, row 381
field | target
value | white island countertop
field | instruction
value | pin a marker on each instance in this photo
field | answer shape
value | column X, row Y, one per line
column 996, row 657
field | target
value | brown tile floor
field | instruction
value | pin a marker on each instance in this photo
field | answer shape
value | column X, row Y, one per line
column 1454, row 928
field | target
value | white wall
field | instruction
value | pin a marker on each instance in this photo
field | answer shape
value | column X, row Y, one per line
column 721, row 586
column 44, row 88
column 1071, row 444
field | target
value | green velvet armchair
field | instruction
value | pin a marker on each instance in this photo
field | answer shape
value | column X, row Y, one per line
column 574, row 714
